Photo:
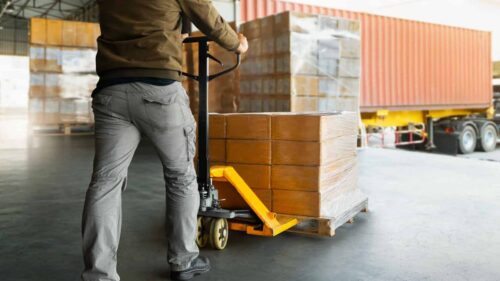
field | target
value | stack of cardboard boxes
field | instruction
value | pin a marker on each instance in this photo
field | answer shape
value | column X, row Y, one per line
column 300, row 62
column 62, row 66
column 297, row 164
column 247, row 149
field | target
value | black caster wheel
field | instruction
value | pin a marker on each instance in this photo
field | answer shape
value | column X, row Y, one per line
column 219, row 233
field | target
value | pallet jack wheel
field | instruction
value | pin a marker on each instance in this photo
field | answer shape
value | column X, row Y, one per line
column 219, row 233
column 202, row 233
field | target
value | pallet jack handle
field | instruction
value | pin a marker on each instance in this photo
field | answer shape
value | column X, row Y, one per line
column 200, row 40
column 203, row 77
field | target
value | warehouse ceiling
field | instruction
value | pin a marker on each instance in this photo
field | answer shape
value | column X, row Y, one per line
column 43, row 8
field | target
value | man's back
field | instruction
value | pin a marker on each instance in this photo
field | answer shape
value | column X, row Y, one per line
column 143, row 39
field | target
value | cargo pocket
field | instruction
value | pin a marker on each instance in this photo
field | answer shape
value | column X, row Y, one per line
column 163, row 110
column 190, row 133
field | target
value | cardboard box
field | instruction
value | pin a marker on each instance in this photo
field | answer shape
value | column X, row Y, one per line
column 256, row 176
column 304, row 85
column 328, row 87
column 304, row 104
column 296, row 64
column 267, row 25
column 329, row 203
column 248, row 152
column 313, row 126
column 351, row 27
column 349, row 87
column 52, row 85
column 295, row 22
column 38, row 31
column 313, row 153
column 328, row 22
column 70, row 33
column 54, row 32
column 37, row 91
column 87, row 33
column 231, row 199
column 329, row 47
column 249, row 126
column 313, row 178
column 316, row 204
column 217, row 126
column 339, row 104
column 350, row 68
column 53, row 59
column 251, row 29
column 217, row 148
column 350, row 48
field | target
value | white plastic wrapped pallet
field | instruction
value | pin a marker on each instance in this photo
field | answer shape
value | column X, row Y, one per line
column 313, row 64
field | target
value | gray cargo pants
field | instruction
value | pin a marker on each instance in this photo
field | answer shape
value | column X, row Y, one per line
column 122, row 114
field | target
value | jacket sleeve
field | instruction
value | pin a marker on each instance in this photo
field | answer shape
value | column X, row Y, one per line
column 204, row 15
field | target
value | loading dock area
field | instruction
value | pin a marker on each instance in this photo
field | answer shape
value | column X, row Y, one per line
column 428, row 220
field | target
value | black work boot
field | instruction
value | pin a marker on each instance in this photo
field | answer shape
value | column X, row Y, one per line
column 199, row 266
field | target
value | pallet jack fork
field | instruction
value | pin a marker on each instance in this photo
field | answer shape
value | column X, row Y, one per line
column 214, row 222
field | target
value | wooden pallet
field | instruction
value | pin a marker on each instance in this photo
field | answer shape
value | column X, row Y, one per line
column 65, row 129
column 325, row 226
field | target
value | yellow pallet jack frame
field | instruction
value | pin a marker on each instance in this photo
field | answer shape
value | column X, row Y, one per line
column 271, row 225
column 214, row 222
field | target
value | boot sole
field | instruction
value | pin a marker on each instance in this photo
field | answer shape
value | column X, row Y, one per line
column 184, row 276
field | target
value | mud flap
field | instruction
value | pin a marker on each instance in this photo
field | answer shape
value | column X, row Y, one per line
column 446, row 143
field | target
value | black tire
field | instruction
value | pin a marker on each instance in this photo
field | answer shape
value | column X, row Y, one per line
column 489, row 136
column 467, row 140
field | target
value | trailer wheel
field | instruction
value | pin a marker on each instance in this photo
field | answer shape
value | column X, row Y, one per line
column 488, row 141
column 467, row 140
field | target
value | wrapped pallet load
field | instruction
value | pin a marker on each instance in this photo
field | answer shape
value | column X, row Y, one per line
column 300, row 62
column 298, row 164
column 62, row 65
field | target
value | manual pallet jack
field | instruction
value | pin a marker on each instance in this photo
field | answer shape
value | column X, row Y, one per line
column 214, row 222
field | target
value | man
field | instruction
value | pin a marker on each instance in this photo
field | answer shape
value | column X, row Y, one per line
column 139, row 64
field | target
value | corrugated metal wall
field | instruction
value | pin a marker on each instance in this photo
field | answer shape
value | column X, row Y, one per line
column 13, row 36
column 409, row 64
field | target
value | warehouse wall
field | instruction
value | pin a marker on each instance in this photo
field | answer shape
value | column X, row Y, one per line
column 476, row 14
column 13, row 36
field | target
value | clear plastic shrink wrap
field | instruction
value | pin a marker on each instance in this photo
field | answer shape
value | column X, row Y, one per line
column 297, row 163
column 301, row 62
column 62, row 78
column 303, row 162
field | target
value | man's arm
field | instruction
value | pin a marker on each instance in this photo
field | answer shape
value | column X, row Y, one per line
column 204, row 15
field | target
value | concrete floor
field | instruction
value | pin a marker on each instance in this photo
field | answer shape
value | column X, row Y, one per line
column 490, row 156
column 432, row 217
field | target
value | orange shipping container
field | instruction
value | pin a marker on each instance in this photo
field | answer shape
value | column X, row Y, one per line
column 409, row 65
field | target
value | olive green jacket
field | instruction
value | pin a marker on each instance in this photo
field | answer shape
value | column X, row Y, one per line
column 142, row 38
